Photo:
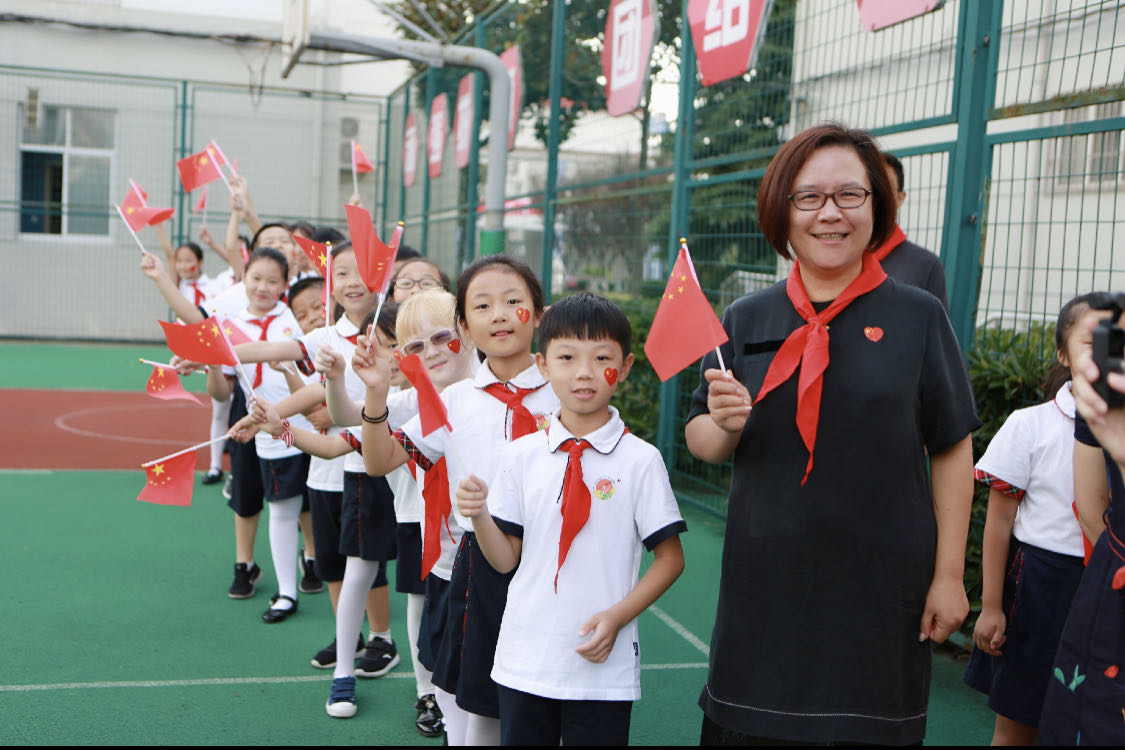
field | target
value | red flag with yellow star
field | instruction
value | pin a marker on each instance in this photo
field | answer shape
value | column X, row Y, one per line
column 165, row 383
column 136, row 212
column 235, row 335
column 375, row 259
column 170, row 481
column 685, row 326
column 201, row 342
column 317, row 252
column 199, row 169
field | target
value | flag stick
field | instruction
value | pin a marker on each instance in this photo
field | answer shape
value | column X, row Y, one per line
column 185, row 450
column 242, row 367
column 163, row 366
column 135, row 237
column 217, row 167
column 355, row 176
column 328, row 286
column 453, row 449
column 722, row 365
column 719, row 354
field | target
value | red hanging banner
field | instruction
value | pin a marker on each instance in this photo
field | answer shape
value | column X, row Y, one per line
column 630, row 34
column 410, row 150
column 514, row 63
column 463, row 122
column 436, row 133
column 879, row 14
column 727, row 35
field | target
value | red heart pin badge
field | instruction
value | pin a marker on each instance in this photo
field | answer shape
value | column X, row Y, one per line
column 610, row 375
column 455, row 346
column 523, row 314
column 874, row 333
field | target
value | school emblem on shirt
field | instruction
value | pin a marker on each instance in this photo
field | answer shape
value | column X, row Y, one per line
column 541, row 421
column 603, row 488
column 288, row 332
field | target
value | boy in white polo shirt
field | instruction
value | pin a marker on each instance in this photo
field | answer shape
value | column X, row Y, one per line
column 572, row 506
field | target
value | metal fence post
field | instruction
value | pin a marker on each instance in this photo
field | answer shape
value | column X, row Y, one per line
column 554, row 92
column 401, row 181
column 978, row 42
column 181, row 150
column 681, row 217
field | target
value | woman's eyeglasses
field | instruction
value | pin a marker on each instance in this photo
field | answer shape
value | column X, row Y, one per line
column 423, row 284
column 438, row 339
column 814, row 200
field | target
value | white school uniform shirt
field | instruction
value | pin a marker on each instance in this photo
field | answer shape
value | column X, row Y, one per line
column 273, row 387
column 409, row 506
column 326, row 474
column 229, row 302
column 1033, row 452
column 206, row 288
column 631, row 506
column 223, row 281
column 481, row 424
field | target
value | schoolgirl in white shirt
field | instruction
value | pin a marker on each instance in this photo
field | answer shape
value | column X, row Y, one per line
column 499, row 304
column 1032, row 557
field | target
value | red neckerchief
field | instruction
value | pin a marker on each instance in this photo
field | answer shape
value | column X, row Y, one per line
column 264, row 324
column 575, row 506
column 897, row 238
column 199, row 297
column 523, row 421
column 435, row 496
column 808, row 347
column 352, row 339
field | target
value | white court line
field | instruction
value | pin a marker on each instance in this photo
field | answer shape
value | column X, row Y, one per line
column 60, row 422
column 684, row 633
column 219, row 681
column 27, row 471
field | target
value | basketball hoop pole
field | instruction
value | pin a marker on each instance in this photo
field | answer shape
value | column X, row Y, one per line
column 439, row 55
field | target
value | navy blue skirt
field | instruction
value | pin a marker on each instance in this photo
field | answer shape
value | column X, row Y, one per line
column 435, row 609
column 1038, row 589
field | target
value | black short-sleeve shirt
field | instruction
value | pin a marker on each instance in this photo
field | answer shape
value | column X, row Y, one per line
column 823, row 585
column 915, row 265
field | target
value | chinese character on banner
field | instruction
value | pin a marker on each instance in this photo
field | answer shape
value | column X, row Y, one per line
column 410, row 150
column 727, row 35
column 630, row 34
column 514, row 63
column 463, row 122
column 435, row 141
column 879, row 14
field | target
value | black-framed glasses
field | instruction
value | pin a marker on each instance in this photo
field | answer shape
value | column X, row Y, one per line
column 438, row 339
column 814, row 200
column 405, row 283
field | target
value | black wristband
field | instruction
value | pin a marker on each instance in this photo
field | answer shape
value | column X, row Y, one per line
column 379, row 420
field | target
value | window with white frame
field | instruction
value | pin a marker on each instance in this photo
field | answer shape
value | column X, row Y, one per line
column 1092, row 159
column 66, row 154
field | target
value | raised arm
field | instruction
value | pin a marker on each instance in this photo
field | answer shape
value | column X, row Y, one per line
column 341, row 408
column 233, row 243
column 208, row 239
column 713, row 437
column 154, row 269
column 501, row 550
column 169, row 252
column 382, row 453
column 242, row 196
column 313, row 443
column 267, row 351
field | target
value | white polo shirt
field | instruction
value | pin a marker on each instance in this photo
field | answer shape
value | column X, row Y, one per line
column 206, row 290
column 631, row 504
column 1033, row 453
column 229, row 302
column 481, row 425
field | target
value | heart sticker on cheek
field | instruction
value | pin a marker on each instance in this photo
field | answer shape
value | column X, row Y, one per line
column 610, row 375
column 192, row 268
column 398, row 355
column 455, row 346
column 523, row 314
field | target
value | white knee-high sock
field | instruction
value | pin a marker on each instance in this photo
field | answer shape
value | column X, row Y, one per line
column 456, row 719
column 358, row 576
column 482, row 731
column 283, row 543
column 220, row 413
column 422, row 676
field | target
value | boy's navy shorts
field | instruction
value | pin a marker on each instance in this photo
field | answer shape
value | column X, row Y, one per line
column 535, row 721
column 477, row 595
column 408, row 558
column 246, row 491
column 325, row 506
column 367, row 518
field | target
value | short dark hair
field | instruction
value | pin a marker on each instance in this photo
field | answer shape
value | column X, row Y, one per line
column 585, row 316
column 387, row 318
column 302, row 284
column 264, row 227
column 1074, row 309
column 303, row 226
column 443, row 277
column 896, row 164
column 273, row 254
column 498, row 263
column 406, row 252
column 328, row 236
column 196, row 250
column 343, row 247
column 777, row 183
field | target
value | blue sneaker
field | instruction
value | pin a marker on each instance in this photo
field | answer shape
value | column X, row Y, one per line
column 341, row 701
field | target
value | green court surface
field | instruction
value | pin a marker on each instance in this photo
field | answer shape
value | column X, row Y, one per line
column 117, row 628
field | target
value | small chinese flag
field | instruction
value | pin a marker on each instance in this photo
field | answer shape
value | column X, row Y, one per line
column 317, row 252
column 201, row 204
column 684, row 327
column 218, row 155
column 360, row 162
column 135, row 211
column 431, row 409
column 198, row 169
column 235, row 335
column 375, row 259
column 165, row 383
column 201, row 342
column 170, row 482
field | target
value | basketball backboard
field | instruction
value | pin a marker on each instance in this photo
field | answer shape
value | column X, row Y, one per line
column 294, row 33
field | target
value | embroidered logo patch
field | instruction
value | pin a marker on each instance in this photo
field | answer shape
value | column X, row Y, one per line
column 288, row 332
column 541, row 421
column 603, row 488
column 874, row 333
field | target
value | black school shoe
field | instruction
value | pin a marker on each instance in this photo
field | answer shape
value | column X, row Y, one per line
column 430, row 722
column 213, row 476
column 310, row 582
column 326, row 657
column 272, row 615
column 380, row 657
column 244, row 579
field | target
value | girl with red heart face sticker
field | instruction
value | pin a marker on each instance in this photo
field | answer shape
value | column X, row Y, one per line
column 523, row 314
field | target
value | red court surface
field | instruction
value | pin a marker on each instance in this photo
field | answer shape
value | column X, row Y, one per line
column 53, row 429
